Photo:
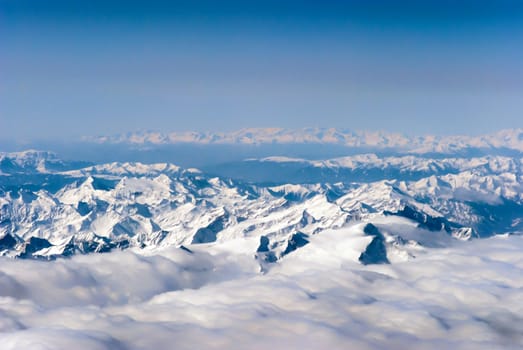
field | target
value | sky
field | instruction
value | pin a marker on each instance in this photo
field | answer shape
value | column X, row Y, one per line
column 70, row 68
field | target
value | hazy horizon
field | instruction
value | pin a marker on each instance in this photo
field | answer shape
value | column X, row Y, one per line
column 43, row 143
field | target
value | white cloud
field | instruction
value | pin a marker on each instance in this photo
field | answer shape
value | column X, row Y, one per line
column 464, row 297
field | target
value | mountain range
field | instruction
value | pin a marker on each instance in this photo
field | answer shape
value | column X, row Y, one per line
column 392, row 206
column 504, row 140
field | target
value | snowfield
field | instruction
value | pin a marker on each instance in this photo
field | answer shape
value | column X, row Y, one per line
column 465, row 296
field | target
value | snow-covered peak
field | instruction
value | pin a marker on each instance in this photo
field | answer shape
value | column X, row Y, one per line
column 127, row 169
column 119, row 205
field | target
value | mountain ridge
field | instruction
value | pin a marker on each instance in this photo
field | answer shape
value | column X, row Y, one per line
column 509, row 139
column 102, row 207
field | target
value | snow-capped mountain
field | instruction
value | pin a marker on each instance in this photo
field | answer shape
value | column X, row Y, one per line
column 502, row 141
column 393, row 207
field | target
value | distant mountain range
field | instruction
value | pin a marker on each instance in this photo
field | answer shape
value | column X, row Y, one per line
column 508, row 140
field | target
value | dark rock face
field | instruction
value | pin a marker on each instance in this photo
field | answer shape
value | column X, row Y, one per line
column 264, row 245
column 100, row 183
column 208, row 234
column 83, row 208
column 263, row 252
column 33, row 245
column 122, row 243
column 7, row 242
column 371, row 230
column 270, row 257
column 375, row 253
column 307, row 219
column 69, row 249
column 297, row 240
column 424, row 220
column 76, row 245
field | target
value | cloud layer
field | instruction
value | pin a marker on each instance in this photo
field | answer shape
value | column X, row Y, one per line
column 464, row 297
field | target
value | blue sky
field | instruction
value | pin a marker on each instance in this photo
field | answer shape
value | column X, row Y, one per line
column 76, row 67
